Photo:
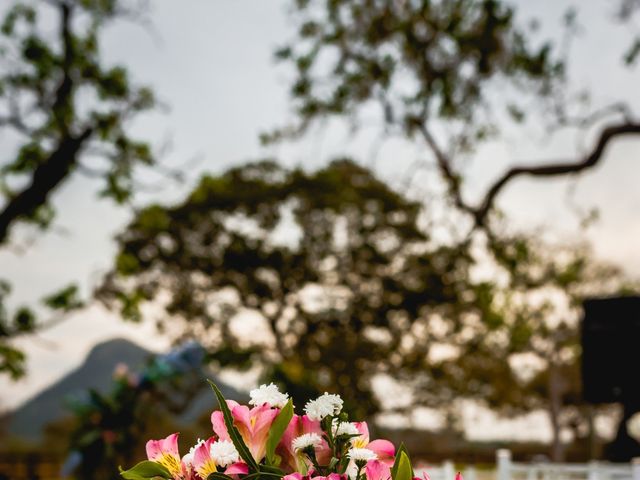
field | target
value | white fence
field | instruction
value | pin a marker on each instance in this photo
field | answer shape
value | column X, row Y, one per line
column 506, row 469
column 509, row 470
column 446, row 471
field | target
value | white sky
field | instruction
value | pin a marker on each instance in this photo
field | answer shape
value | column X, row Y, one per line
column 211, row 62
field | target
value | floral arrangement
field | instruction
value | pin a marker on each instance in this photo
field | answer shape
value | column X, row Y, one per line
column 268, row 441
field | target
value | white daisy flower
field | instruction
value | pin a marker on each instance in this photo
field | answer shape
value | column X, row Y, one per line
column 224, row 453
column 361, row 454
column 268, row 394
column 346, row 428
column 323, row 406
column 305, row 441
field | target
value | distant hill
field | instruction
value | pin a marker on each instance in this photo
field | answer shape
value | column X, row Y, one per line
column 27, row 422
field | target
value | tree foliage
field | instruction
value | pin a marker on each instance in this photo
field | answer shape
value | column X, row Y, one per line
column 330, row 280
column 348, row 297
column 452, row 73
column 421, row 60
column 65, row 111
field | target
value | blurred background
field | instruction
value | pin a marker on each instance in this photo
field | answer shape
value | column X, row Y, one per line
column 428, row 207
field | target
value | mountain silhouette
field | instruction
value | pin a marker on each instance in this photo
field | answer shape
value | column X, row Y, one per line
column 27, row 422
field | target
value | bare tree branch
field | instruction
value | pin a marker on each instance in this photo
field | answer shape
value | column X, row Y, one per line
column 445, row 165
column 63, row 158
column 482, row 210
column 45, row 179
column 554, row 169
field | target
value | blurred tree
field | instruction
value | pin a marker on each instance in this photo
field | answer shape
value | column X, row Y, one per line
column 529, row 357
column 66, row 113
column 350, row 295
column 330, row 281
column 453, row 73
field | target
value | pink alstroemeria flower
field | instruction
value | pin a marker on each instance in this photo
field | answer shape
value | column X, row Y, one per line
column 165, row 452
column 377, row 470
column 296, row 461
column 384, row 449
column 293, row 476
column 204, row 464
column 253, row 425
column 331, row 476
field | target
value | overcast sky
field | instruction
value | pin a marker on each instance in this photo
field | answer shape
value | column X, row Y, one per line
column 211, row 62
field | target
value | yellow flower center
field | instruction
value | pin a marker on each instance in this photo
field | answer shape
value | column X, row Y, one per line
column 171, row 463
column 207, row 468
column 359, row 442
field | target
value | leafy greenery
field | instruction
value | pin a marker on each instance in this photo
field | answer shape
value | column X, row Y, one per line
column 144, row 470
column 359, row 246
column 278, row 427
column 404, row 470
column 65, row 112
column 357, row 291
column 451, row 76
column 417, row 60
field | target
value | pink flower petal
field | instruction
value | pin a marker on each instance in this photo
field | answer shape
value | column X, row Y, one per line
column 384, row 449
column 264, row 416
column 237, row 468
column 363, row 428
column 202, row 454
column 336, row 476
column 154, row 449
column 169, row 445
column 377, row 470
column 310, row 426
column 291, row 432
column 292, row 476
column 241, row 417
column 219, row 427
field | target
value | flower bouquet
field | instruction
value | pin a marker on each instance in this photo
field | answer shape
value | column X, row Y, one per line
column 268, row 441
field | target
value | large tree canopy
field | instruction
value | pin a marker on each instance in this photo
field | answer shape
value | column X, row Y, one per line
column 351, row 294
column 330, row 280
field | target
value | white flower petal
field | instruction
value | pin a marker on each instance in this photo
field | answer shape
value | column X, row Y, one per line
column 224, row 453
column 268, row 394
column 361, row 454
column 305, row 441
column 323, row 406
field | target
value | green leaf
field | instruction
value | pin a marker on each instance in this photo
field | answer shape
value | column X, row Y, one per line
column 278, row 427
column 146, row 469
column 218, row 476
column 402, row 452
column 66, row 299
column 403, row 470
column 24, row 320
column 261, row 474
column 236, row 438
column 270, row 469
